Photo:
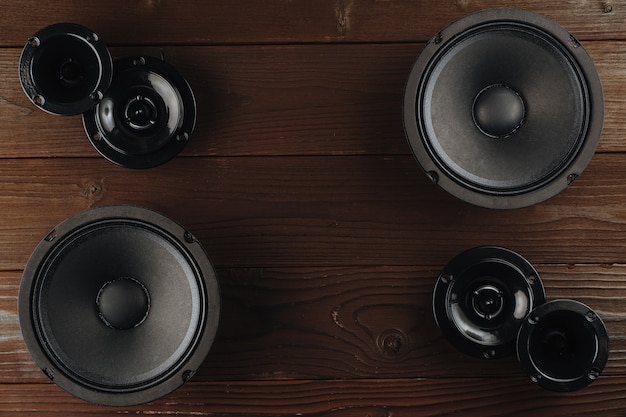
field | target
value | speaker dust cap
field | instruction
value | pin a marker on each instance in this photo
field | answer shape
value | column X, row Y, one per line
column 65, row 68
column 563, row 345
column 503, row 108
column 482, row 297
column 119, row 305
column 147, row 115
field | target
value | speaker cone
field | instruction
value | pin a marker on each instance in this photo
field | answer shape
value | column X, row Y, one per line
column 119, row 305
column 147, row 115
column 563, row 345
column 481, row 298
column 503, row 108
column 65, row 69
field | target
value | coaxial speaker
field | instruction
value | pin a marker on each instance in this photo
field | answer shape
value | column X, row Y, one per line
column 147, row 115
column 65, row 69
column 503, row 108
column 119, row 305
column 482, row 297
column 563, row 345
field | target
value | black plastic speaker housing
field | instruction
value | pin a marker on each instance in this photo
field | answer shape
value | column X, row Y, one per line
column 119, row 305
column 147, row 115
column 65, row 68
column 482, row 297
column 563, row 345
column 503, row 108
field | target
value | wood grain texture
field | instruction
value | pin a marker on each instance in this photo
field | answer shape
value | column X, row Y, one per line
column 300, row 184
column 279, row 21
column 279, row 100
column 345, row 323
column 514, row 397
column 311, row 211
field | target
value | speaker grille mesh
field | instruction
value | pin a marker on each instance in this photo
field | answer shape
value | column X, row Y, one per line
column 551, row 138
column 60, row 316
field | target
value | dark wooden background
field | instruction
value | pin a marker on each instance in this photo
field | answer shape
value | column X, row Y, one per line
column 299, row 183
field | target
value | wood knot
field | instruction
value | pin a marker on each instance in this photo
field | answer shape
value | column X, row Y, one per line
column 93, row 190
column 393, row 343
column 342, row 12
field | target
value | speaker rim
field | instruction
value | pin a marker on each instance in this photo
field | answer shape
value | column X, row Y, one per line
column 553, row 185
column 456, row 267
column 554, row 384
column 176, row 142
column 85, row 35
column 185, row 368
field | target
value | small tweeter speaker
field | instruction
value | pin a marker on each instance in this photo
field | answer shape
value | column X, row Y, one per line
column 119, row 305
column 147, row 115
column 503, row 108
column 482, row 297
column 65, row 69
column 563, row 345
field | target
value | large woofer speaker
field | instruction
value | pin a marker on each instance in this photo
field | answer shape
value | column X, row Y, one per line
column 119, row 305
column 482, row 297
column 563, row 345
column 503, row 108
column 147, row 115
column 65, row 69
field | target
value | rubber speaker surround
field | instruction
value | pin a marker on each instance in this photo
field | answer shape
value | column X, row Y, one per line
column 563, row 345
column 503, row 108
column 482, row 297
column 147, row 115
column 65, row 68
column 119, row 305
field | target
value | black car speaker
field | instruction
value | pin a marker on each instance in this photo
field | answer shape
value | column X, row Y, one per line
column 482, row 297
column 503, row 108
column 119, row 305
column 563, row 345
column 147, row 115
column 65, row 69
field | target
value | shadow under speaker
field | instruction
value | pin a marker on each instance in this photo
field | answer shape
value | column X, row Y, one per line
column 482, row 297
column 146, row 116
column 563, row 345
column 503, row 108
column 119, row 305
column 65, row 69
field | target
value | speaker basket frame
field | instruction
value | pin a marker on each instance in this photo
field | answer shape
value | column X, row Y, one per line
column 76, row 32
column 550, row 382
column 455, row 273
column 120, row 153
column 462, row 188
column 167, row 381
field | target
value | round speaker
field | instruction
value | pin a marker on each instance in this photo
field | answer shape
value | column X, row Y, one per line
column 503, row 108
column 119, row 305
column 147, row 115
column 481, row 298
column 65, row 69
column 563, row 345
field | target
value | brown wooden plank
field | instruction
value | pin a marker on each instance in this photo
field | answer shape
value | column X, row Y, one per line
column 308, row 211
column 277, row 21
column 253, row 100
column 321, row 323
column 279, row 100
column 177, row 22
column 406, row 20
column 338, row 398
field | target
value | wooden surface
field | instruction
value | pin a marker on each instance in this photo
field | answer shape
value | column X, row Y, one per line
column 326, row 235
